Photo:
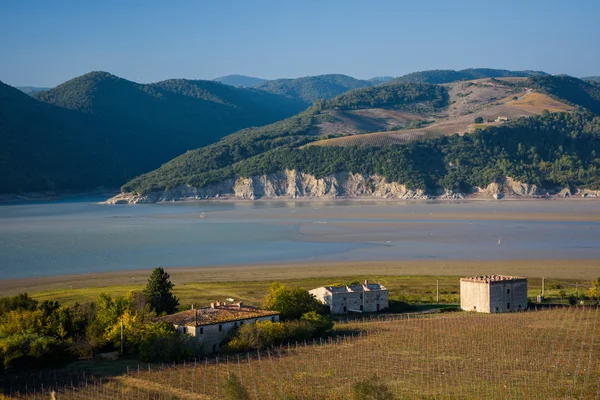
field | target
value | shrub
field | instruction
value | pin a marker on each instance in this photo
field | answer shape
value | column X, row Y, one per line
column 479, row 120
column 371, row 389
column 322, row 325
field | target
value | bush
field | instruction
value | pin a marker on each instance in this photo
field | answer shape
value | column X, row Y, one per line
column 371, row 389
column 322, row 325
column 162, row 343
column 291, row 302
column 479, row 120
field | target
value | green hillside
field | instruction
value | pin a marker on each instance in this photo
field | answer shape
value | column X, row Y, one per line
column 439, row 76
column 573, row 90
column 311, row 88
column 554, row 149
column 101, row 130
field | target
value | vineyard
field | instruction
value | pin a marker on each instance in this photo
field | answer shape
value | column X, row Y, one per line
column 547, row 354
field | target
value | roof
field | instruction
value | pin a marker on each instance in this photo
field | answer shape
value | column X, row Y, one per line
column 492, row 278
column 354, row 288
column 219, row 314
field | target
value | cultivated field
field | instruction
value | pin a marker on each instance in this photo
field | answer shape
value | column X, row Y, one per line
column 468, row 100
column 550, row 354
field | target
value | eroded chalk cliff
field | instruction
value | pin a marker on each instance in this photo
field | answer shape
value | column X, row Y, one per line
column 295, row 185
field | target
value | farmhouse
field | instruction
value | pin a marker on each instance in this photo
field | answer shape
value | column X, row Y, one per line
column 367, row 297
column 210, row 325
column 493, row 293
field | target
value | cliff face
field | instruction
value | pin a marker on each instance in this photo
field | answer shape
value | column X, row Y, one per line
column 293, row 185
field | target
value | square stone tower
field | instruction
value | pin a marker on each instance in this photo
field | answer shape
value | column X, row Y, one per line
column 493, row 293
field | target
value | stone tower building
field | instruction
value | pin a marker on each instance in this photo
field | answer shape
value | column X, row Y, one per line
column 493, row 293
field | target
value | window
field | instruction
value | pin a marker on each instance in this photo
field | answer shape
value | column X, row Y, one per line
column 235, row 324
column 361, row 308
column 214, row 348
column 474, row 307
column 184, row 329
column 241, row 323
column 344, row 298
column 497, row 309
column 345, row 309
column 272, row 319
column 508, row 306
column 507, row 291
column 201, row 331
column 220, row 328
column 377, row 307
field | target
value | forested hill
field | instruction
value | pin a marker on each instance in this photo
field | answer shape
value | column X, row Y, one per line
column 439, row 76
column 101, row 130
column 551, row 150
column 239, row 80
column 311, row 88
column 575, row 91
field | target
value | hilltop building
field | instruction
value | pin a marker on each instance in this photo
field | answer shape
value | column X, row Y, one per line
column 493, row 293
column 367, row 297
column 210, row 325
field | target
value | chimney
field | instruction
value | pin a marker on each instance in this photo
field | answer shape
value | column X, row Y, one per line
column 218, row 303
column 366, row 282
column 192, row 306
column 212, row 305
column 240, row 304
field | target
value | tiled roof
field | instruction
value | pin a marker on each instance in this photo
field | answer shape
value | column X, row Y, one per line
column 355, row 288
column 492, row 278
column 208, row 316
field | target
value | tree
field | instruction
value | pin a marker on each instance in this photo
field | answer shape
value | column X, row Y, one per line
column 595, row 290
column 479, row 120
column 158, row 293
column 291, row 302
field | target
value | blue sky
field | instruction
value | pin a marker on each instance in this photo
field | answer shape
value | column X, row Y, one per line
column 44, row 43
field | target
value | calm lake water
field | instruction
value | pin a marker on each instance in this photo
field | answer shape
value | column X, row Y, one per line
column 76, row 237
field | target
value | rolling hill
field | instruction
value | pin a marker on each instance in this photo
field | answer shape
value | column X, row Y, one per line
column 239, row 80
column 112, row 129
column 311, row 88
column 532, row 147
column 439, row 76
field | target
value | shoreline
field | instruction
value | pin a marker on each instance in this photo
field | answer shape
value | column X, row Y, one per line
column 584, row 269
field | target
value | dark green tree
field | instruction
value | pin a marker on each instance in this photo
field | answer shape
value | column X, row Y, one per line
column 158, row 293
column 479, row 120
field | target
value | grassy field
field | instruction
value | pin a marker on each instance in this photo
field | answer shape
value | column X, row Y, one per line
column 550, row 354
column 411, row 280
column 538, row 102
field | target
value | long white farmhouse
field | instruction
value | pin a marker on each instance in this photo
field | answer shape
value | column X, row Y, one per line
column 210, row 325
column 368, row 297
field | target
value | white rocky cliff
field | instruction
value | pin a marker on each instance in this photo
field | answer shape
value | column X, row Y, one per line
column 293, row 185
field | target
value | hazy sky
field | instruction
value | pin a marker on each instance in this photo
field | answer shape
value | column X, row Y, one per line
column 46, row 42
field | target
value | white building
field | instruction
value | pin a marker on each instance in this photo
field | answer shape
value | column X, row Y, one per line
column 368, row 297
column 210, row 325
column 493, row 293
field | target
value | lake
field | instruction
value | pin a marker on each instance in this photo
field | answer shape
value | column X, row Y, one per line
column 75, row 237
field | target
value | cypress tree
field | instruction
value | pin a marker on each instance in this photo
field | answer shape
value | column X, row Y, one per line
column 158, row 292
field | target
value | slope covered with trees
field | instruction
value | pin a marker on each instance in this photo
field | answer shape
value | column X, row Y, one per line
column 311, row 88
column 554, row 149
column 101, row 130
column 439, row 76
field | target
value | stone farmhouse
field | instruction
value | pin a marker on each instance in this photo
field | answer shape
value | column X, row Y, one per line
column 367, row 297
column 493, row 293
column 210, row 325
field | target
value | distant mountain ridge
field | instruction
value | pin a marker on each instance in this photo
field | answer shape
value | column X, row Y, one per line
column 311, row 88
column 31, row 89
column 592, row 78
column 239, row 80
column 439, row 76
column 113, row 129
